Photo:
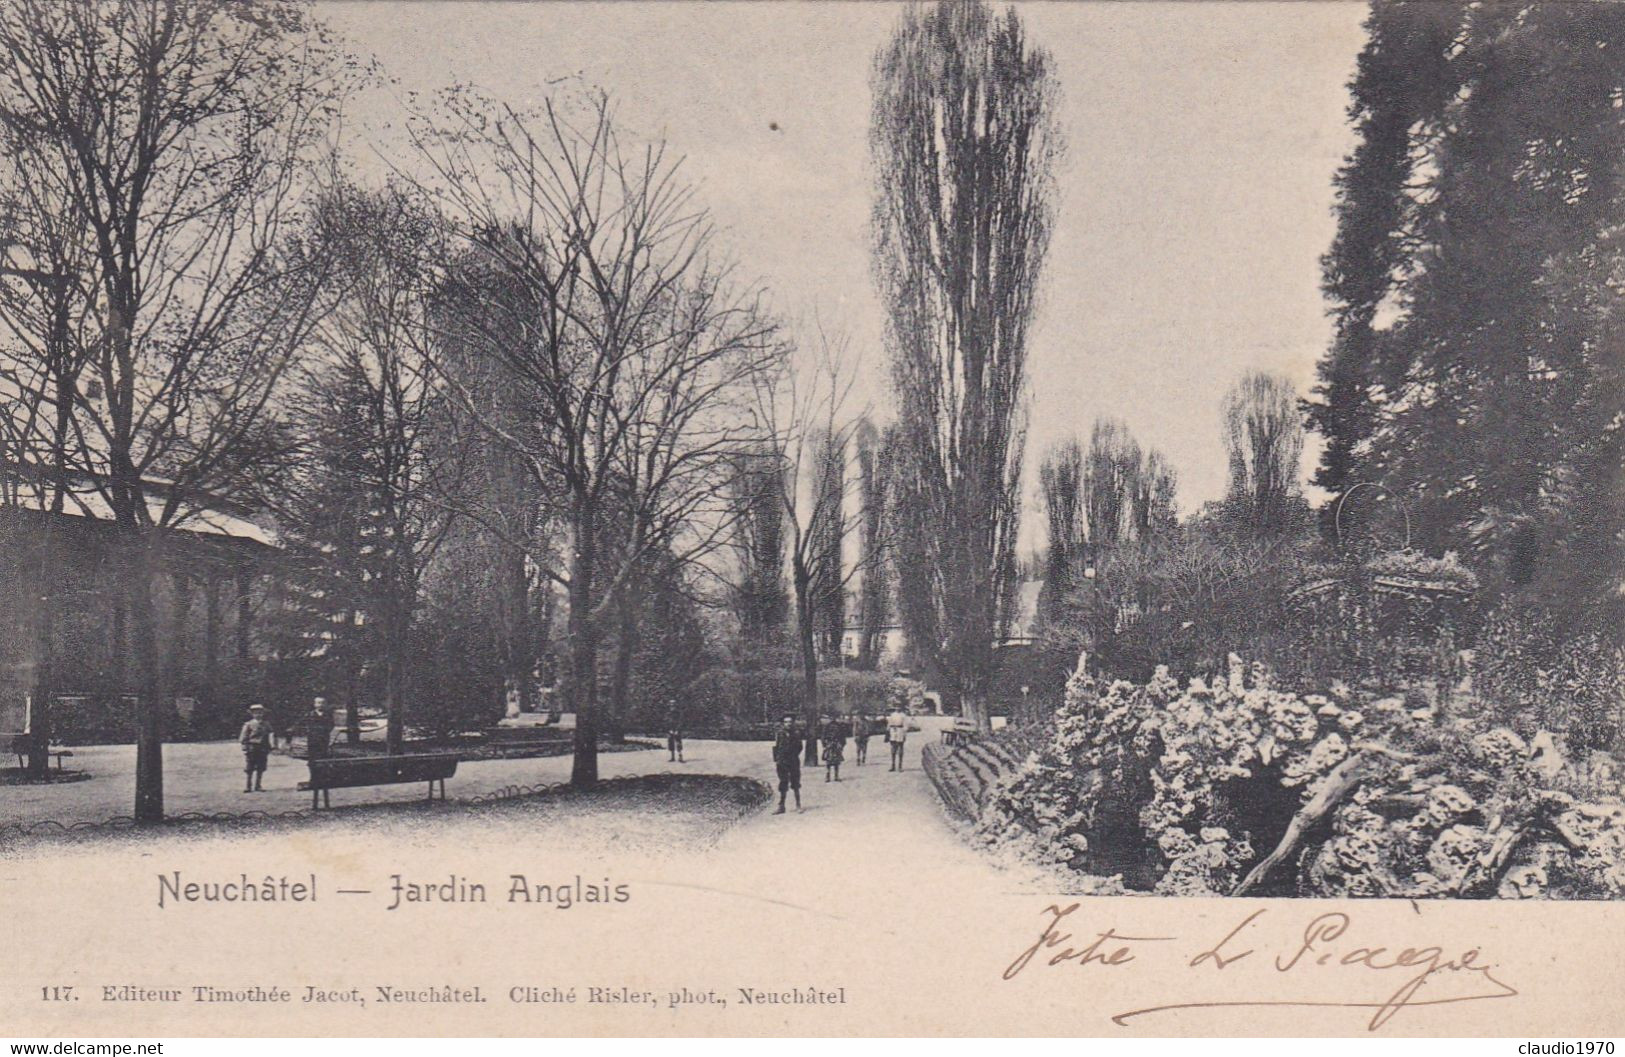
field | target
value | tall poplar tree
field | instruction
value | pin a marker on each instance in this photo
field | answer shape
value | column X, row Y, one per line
column 964, row 143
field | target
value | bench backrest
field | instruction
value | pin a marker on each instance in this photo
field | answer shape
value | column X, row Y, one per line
column 341, row 771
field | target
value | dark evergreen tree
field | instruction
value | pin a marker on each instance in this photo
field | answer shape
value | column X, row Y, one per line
column 1475, row 371
column 761, row 598
column 1402, row 82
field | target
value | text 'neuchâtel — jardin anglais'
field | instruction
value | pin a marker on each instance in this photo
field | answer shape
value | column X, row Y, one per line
column 400, row 892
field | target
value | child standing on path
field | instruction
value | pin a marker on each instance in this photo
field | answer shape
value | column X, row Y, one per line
column 834, row 747
column 255, row 739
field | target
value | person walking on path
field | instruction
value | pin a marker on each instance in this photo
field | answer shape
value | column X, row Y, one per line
column 834, row 747
column 255, row 739
column 897, row 728
column 318, row 731
column 787, row 746
column 860, row 736
column 674, row 731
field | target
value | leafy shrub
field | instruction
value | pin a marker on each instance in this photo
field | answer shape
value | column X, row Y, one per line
column 847, row 690
column 1539, row 672
column 456, row 679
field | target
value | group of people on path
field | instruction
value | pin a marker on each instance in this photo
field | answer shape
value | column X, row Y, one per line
column 258, row 737
column 789, row 742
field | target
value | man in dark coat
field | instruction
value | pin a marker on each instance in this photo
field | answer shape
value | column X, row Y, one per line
column 787, row 758
column 318, row 730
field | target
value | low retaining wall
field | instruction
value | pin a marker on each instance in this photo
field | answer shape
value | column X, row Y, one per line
column 962, row 775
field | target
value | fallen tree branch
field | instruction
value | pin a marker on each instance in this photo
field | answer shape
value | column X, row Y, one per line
column 1338, row 784
column 1493, row 864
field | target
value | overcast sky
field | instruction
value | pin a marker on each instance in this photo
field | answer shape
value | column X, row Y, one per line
column 1195, row 199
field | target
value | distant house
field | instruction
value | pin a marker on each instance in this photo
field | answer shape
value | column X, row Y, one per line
column 65, row 569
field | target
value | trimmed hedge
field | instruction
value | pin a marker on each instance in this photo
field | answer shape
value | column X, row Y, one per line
column 727, row 702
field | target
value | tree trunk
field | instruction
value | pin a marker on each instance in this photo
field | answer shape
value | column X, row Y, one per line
column 39, row 714
column 583, row 658
column 974, row 707
column 176, row 647
column 149, row 762
column 245, row 614
column 625, row 651
column 394, row 665
column 809, row 671
column 519, row 652
column 350, row 672
column 1330, row 792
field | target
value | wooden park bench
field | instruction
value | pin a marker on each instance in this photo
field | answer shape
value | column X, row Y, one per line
column 348, row 772
column 18, row 745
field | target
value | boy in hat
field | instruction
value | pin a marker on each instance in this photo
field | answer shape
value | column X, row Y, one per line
column 787, row 760
column 256, row 742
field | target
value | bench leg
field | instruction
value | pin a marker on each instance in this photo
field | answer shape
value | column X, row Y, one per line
column 327, row 798
column 315, row 799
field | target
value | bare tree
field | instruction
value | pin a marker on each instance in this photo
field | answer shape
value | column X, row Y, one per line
column 964, row 142
column 619, row 329
column 810, row 410
column 876, row 449
column 827, row 534
column 1098, row 499
column 45, row 264
column 1128, row 492
column 1263, row 435
column 181, row 133
column 380, row 424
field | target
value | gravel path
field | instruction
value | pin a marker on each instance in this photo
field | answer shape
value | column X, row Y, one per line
column 867, row 887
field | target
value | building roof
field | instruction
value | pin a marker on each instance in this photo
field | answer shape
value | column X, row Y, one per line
column 202, row 515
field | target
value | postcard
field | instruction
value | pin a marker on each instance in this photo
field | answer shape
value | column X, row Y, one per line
column 937, row 519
